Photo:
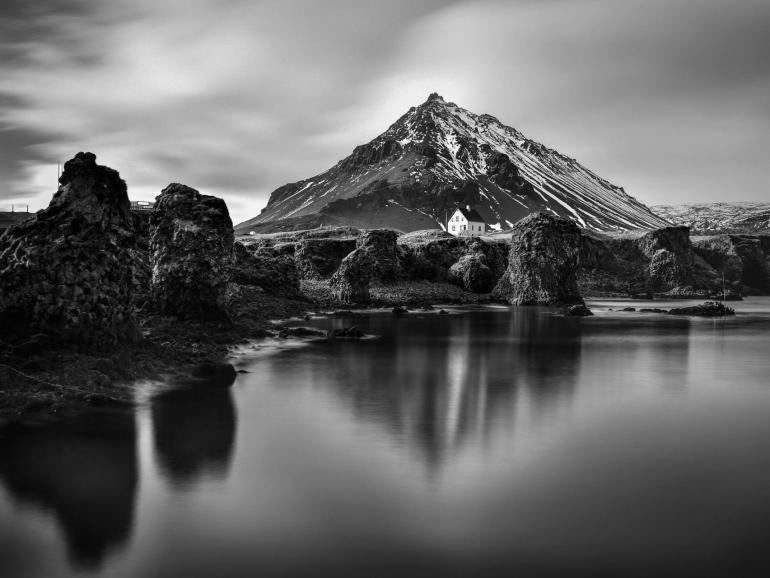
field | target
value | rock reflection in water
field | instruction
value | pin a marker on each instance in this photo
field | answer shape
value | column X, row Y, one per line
column 84, row 475
column 194, row 433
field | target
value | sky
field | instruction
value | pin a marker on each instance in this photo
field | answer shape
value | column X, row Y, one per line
column 667, row 98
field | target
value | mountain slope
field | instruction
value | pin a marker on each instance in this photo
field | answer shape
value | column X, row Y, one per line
column 438, row 155
column 711, row 218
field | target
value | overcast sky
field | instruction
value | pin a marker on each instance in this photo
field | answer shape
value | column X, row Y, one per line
column 668, row 98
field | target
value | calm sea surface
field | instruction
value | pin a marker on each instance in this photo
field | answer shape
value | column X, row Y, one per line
column 488, row 442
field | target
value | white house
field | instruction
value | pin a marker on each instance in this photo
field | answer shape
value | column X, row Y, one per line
column 466, row 222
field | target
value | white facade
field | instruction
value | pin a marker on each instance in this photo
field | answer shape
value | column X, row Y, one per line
column 461, row 225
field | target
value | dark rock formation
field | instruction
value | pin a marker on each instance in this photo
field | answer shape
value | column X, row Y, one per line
column 374, row 259
column 276, row 273
column 191, row 244
column 659, row 262
column 707, row 309
column 460, row 260
column 473, row 273
column 741, row 258
column 350, row 284
column 68, row 272
column 351, row 332
column 380, row 247
column 543, row 262
column 320, row 258
column 579, row 310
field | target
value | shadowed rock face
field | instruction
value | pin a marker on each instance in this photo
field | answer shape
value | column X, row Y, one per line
column 380, row 246
column 375, row 258
column 542, row 263
column 320, row 258
column 274, row 273
column 191, row 244
column 350, row 283
column 68, row 272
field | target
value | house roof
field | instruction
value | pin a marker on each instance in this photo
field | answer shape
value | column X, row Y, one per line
column 471, row 214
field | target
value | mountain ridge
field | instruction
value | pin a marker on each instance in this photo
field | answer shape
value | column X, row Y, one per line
column 438, row 155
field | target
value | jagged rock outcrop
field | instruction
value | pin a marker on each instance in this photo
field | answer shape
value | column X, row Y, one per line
column 436, row 257
column 374, row 259
column 380, row 248
column 191, row 244
column 744, row 260
column 350, row 283
column 320, row 258
column 661, row 261
column 68, row 273
column 275, row 273
column 543, row 262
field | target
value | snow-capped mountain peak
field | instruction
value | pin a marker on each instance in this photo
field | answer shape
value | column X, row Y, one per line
column 439, row 154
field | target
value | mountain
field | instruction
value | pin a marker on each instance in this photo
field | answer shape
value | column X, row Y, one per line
column 712, row 218
column 439, row 155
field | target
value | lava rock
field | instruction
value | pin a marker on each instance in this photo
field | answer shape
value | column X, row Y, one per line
column 473, row 273
column 191, row 245
column 320, row 258
column 345, row 333
column 275, row 274
column 68, row 272
column 380, row 248
column 350, row 284
column 707, row 309
column 542, row 263
column 579, row 310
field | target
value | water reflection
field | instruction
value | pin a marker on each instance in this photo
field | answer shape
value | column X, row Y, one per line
column 439, row 383
column 84, row 474
column 194, row 433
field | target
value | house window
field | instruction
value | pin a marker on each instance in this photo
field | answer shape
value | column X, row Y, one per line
column 453, row 227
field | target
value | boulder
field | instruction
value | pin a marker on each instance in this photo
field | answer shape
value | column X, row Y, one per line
column 473, row 273
column 542, row 263
column 579, row 310
column 68, row 272
column 275, row 273
column 191, row 245
column 350, row 283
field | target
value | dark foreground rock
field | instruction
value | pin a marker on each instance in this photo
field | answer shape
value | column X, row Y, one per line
column 707, row 309
column 191, row 243
column 579, row 311
column 543, row 262
column 67, row 273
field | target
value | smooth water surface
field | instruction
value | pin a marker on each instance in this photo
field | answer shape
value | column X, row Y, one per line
column 481, row 443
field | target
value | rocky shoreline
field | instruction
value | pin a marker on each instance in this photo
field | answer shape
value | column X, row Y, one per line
column 94, row 297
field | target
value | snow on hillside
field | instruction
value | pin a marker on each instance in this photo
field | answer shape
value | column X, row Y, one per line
column 438, row 154
column 704, row 218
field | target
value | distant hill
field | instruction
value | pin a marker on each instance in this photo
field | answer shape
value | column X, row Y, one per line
column 713, row 218
column 439, row 155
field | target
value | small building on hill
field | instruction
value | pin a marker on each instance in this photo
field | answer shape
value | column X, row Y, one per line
column 466, row 222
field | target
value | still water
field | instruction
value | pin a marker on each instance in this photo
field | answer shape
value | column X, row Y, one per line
column 482, row 443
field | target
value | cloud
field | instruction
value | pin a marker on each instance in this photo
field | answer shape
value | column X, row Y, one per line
column 236, row 98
